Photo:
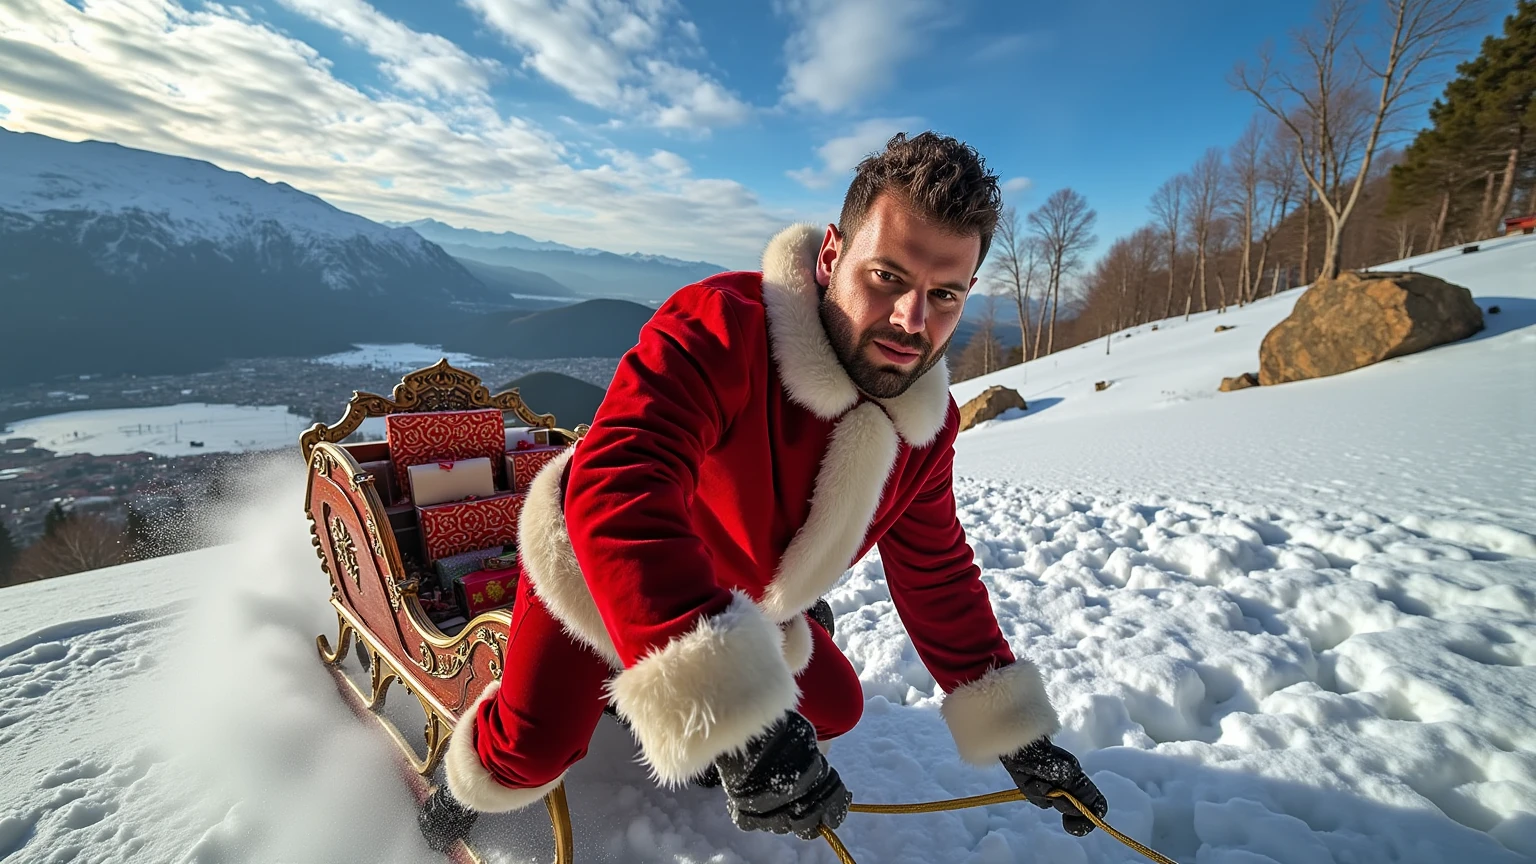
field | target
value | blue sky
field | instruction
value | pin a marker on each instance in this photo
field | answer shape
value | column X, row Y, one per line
column 684, row 128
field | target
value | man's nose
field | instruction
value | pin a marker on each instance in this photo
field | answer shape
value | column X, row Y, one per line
column 910, row 312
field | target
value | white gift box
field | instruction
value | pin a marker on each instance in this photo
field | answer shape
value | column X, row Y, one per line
column 528, row 435
column 437, row 482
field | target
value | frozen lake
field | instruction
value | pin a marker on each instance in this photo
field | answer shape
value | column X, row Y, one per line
column 167, row 430
column 399, row 357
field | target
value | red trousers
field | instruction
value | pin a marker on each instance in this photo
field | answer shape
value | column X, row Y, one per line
column 551, row 697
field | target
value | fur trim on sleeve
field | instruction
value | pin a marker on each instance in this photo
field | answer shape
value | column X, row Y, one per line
column 468, row 779
column 707, row 692
column 999, row 712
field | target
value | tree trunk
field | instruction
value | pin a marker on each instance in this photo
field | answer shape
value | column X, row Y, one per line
column 1506, row 191
column 1306, row 238
column 1483, row 212
column 1173, row 257
column 1040, row 325
column 1023, row 303
column 1437, row 234
column 1330, row 267
column 1189, row 298
column 1050, row 339
column 1274, row 284
column 1205, row 303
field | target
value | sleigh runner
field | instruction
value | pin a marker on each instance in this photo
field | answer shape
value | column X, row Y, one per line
column 401, row 546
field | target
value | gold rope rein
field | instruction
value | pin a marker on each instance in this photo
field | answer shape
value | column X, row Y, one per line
column 982, row 801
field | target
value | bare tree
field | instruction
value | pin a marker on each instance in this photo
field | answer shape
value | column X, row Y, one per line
column 1246, row 159
column 1016, row 265
column 1167, row 207
column 82, row 542
column 1334, row 72
column 1205, row 193
column 1279, row 168
column 1064, row 224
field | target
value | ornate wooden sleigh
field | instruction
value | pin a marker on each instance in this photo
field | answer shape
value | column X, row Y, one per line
column 375, row 601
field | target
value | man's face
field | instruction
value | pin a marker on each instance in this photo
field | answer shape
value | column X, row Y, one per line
column 895, row 291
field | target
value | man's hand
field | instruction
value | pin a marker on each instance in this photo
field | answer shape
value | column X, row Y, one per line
column 780, row 782
column 1041, row 767
column 443, row 819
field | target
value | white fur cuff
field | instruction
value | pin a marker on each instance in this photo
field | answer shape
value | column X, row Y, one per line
column 707, row 692
column 470, row 782
column 797, row 643
column 999, row 712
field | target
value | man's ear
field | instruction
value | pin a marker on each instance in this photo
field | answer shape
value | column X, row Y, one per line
column 831, row 247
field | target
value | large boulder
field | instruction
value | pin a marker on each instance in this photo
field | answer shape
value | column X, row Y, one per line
column 993, row 401
column 1363, row 318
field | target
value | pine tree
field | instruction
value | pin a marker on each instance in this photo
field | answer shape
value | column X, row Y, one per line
column 1470, row 167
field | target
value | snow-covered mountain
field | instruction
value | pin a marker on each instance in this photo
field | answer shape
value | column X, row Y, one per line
column 1287, row 625
column 99, row 240
column 441, row 232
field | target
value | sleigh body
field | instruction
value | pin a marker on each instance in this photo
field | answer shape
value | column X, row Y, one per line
column 365, row 548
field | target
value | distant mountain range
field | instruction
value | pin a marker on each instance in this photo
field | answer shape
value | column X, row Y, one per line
column 588, row 272
column 114, row 259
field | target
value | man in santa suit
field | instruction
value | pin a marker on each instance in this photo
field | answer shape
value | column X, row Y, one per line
column 767, row 431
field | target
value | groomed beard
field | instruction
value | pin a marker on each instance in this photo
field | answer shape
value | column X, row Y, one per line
column 877, row 380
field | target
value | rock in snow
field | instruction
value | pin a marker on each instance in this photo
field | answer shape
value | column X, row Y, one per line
column 992, row 402
column 1363, row 318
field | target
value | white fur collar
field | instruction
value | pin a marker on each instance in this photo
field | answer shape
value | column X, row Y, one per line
column 809, row 367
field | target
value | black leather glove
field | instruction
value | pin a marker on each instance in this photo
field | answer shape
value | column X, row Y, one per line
column 444, row 820
column 1041, row 767
column 821, row 613
column 780, row 782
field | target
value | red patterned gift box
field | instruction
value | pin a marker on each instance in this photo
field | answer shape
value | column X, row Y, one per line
column 443, row 436
column 463, row 526
column 484, row 590
column 523, row 464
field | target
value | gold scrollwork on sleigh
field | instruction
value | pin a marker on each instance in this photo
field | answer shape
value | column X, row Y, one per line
column 445, row 667
column 345, row 550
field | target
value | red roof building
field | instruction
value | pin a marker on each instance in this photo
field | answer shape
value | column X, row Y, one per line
column 1520, row 225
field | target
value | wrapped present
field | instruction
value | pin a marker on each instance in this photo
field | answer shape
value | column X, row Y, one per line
column 453, row 566
column 383, row 479
column 504, row 561
column 463, row 526
column 525, row 437
column 524, row 465
column 484, row 590
column 436, row 482
column 443, row 436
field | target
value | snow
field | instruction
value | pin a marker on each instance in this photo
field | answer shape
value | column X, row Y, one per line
column 196, row 199
column 166, row 430
column 1289, row 624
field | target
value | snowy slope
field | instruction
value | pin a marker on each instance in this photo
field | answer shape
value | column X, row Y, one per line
column 1303, row 633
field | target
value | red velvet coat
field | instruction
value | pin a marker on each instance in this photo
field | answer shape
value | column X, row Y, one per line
column 731, row 476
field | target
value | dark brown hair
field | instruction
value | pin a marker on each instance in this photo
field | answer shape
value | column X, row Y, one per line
column 944, row 180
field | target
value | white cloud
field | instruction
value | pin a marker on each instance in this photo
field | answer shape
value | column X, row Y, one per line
column 616, row 55
column 841, row 51
column 841, row 155
column 214, row 84
column 1015, row 185
column 424, row 63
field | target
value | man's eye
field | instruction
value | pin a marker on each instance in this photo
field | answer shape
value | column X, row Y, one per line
column 884, row 276
column 945, row 296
